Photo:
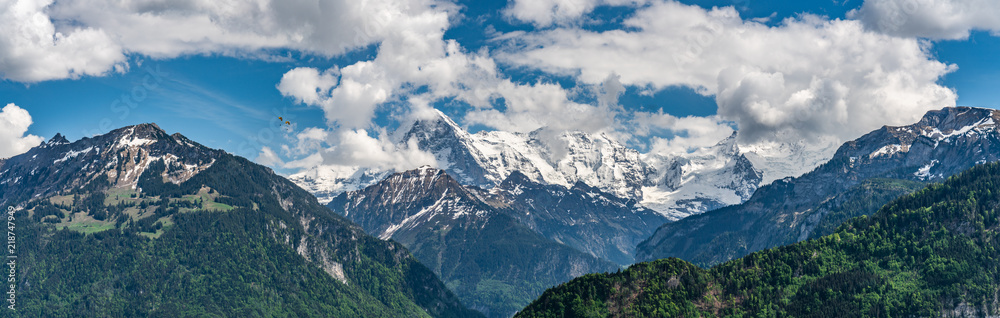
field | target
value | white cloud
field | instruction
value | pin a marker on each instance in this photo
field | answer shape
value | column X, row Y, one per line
column 14, row 123
column 529, row 107
column 935, row 19
column 357, row 148
column 548, row 12
column 807, row 78
column 310, row 140
column 267, row 157
column 91, row 37
column 688, row 133
column 170, row 28
column 32, row 49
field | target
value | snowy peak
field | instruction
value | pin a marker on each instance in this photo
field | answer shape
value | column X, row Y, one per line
column 115, row 159
column 452, row 147
column 56, row 140
column 563, row 158
column 706, row 179
column 439, row 125
column 409, row 201
column 935, row 147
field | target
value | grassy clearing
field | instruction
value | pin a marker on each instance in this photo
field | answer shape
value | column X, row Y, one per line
column 118, row 195
column 83, row 223
column 62, row 200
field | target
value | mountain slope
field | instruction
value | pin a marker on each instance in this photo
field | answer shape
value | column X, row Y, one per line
column 943, row 143
column 137, row 222
column 932, row 253
column 492, row 262
column 582, row 217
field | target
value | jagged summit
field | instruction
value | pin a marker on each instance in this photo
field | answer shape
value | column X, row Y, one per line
column 58, row 139
column 957, row 117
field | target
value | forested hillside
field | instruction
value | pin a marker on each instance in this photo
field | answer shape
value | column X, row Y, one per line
column 931, row 253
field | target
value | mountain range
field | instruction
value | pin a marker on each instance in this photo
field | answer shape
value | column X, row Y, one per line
column 673, row 185
column 502, row 218
column 137, row 222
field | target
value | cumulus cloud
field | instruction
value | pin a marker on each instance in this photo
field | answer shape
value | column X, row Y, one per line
column 32, row 49
column 935, row 19
column 529, row 107
column 808, row 77
column 91, row 37
column 208, row 26
column 687, row 133
column 14, row 123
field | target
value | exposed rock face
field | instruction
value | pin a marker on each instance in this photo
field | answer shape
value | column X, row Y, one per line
column 941, row 144
column 582, row 217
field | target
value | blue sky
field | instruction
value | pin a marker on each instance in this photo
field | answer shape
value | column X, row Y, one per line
column 221, row 88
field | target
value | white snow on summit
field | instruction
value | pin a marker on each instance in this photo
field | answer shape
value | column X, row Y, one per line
column 779, row 159
column 674, row 185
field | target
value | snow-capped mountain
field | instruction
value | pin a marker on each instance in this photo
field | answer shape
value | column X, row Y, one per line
column 777, row 160
column 675, row 186
column 121, row 155
column 942, row 143
column 566, row 158
column 700, row 181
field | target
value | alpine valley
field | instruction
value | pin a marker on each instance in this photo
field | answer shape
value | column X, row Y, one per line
column 137, row 222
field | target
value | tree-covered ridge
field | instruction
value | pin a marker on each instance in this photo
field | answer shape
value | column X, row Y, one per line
column 234, row 240
column 863, row 199
column 931, row 253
